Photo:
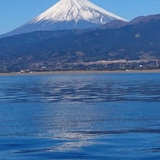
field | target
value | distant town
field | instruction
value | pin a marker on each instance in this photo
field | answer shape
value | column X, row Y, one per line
column 88, row 66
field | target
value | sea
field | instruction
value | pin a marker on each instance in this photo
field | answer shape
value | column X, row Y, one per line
column 80, row 116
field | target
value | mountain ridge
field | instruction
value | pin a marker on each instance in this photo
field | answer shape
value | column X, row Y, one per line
column 137, row 20
column 134, row 42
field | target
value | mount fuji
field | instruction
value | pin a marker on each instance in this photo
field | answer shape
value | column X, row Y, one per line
column 66, row 15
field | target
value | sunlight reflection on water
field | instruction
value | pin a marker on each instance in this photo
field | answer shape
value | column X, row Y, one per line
column 94, row 116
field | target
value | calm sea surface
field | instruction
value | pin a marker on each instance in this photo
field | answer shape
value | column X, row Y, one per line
column 80, row 116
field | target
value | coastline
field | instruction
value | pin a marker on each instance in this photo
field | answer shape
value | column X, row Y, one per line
column 80, row 72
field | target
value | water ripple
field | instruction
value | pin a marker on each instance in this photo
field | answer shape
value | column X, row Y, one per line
column 80, row 88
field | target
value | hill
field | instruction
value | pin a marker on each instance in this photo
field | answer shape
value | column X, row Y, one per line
column 107, row 48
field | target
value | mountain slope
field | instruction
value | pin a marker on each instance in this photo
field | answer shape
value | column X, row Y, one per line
column 68, row 14
column 139, row 41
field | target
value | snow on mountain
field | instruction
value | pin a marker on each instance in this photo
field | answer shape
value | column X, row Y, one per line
column 68, row 10
column 68, row 14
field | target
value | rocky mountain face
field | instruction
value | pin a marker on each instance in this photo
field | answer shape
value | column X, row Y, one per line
column 66, row 15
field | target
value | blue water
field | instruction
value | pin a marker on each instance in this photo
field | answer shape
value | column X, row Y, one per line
column 80, row 116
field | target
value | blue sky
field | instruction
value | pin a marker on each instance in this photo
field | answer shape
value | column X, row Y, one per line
column 14, row 13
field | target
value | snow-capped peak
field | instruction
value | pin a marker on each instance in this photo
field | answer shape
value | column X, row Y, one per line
column 68, row 10
column 68, row 14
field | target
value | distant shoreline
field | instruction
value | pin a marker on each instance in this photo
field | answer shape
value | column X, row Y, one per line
column 80, row 72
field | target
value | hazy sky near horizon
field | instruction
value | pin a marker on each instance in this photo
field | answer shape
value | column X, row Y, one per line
column 14, row 13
